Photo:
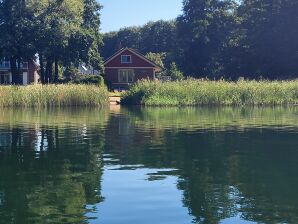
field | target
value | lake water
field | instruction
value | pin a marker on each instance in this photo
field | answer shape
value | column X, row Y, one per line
column 154, row 165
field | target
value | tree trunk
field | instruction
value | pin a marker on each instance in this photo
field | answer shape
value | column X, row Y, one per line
column 42, row 72
column 19, row 72
column 49, row 71
column 14, row 71
column 56, row 71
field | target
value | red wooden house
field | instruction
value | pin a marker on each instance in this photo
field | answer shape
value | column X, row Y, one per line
column 128, row 66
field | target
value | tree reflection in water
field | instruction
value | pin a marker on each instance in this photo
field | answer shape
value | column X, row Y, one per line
column 228, row 162
column 50, row 173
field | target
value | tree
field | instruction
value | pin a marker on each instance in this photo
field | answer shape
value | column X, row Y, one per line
column 156, row 37
column 174, row 72
column 110, row 43
column 84, row 45
column 157, row 58
column 15, row 41
column 269, row 45
column 160, row 36
column 203, row 31
column 55, row 21
column 66, row 33
column 91, row 23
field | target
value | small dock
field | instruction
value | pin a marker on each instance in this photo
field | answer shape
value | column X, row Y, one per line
column 114, row 100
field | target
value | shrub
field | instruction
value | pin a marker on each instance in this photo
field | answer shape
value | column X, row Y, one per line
column 174, row 72
column 207, row 92
column 53, row 95
column 89, row 79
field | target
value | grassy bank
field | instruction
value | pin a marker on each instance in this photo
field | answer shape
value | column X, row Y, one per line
column 53, row 95
column 205, row 92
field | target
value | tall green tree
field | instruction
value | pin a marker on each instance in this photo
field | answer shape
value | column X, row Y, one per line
column 15, row 40
column 157, row 58
column 84, row 45
column 204, row 29
column 55, row 22
column 160, row 36
column 66, row 34
column 127, row 37
column 91, row 24
column 270, row 43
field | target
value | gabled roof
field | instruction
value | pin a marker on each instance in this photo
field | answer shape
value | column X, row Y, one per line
column 133, row 52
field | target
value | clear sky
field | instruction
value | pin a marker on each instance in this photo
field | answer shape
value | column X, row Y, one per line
column 118, row 14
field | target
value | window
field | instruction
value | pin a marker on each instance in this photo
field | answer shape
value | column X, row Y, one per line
column 4, row 64
column 4, row 78
column 125, row 59
column 122, row 76
column 7, row 64
column 126, row 75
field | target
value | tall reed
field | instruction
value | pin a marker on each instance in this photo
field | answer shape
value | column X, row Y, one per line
column 207, row 92
column 53, row 95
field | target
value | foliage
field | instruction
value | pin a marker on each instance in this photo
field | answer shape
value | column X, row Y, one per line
column 157, row 58
column 270, row 40
column 211, row 38
column 16, row 43
column 221, row 38
column 53, row 95
column 207, row 92
column 70, row 73
column 61, row 185
column 62, row 33
column 154, row 37
column 174, row 72
column 204, row 29
column 89, row 79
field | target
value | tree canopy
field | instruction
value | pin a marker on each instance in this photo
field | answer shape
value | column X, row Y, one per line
column 221, row 38
column 61, row 33
column 211, row 38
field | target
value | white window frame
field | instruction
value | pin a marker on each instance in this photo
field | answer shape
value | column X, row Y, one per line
column 125, row 62
column 126, row 78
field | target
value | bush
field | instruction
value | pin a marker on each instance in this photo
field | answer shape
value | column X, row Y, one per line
column 53, row 95
column 174, row 72
column 89, row 79
column 207, row 92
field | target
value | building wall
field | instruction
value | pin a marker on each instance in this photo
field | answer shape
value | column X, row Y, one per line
column 111, row 74
column 30, row 74
column 136, row 61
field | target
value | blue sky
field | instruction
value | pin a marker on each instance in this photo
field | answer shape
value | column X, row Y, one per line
column 117, row 14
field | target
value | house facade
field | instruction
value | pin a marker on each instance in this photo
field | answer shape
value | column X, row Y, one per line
column 28, row 73
column 128, row 66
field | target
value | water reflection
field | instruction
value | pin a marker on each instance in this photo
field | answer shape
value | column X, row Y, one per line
column 154, row 165
column 231, row 162
column 49, row 171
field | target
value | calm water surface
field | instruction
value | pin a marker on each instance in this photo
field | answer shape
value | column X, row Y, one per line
column 154, row 165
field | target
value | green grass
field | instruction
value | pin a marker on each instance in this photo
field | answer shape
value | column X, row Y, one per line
column 206, row 92
column 116, row 94
column 53, row 95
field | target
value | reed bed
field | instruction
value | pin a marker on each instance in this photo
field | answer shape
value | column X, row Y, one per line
column 53, row 95
column 192, row 92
